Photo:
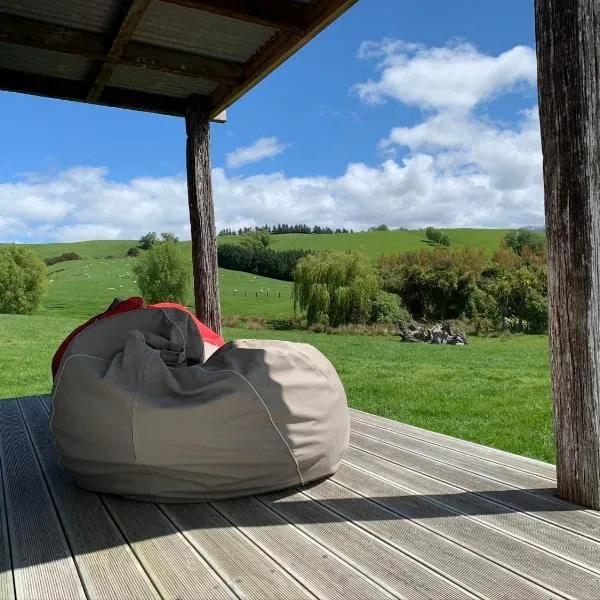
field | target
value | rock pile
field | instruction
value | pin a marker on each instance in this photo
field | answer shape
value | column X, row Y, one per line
column 439, row 334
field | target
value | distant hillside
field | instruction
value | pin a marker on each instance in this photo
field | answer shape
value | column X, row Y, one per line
column 374, row 243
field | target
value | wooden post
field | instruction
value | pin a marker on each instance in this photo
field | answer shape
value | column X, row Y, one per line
column 568, row 54
column 202, row 215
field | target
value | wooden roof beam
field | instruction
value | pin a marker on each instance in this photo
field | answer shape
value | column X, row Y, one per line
column 320, row 14
column 66, row 89
column 285, row 15
column 46, row 36
column 124, row 32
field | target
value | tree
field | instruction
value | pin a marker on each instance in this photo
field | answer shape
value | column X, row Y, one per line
column 445, row 240
column 169, row 237
column 436, row 236
column 133, row 251
column 335, row 287
column 22, row 280
column 521, row 239
column 147, row 241
column 382, row 227
column 163, row 274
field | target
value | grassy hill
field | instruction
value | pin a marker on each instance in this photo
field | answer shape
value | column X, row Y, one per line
column 82, row 288
column 86, row 287
column 378, row 243
column 374, row 243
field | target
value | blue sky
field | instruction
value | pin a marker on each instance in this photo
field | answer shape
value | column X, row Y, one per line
column 410, row 113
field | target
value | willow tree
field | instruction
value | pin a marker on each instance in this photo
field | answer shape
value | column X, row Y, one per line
column 335, row 288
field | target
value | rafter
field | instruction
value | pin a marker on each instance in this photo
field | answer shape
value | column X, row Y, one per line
column 286, row 15
column 124, row 32
column 320, row 14
column 46, row 36
column 65, row 89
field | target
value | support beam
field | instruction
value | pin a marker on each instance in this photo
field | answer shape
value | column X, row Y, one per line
column 47, row 36
column 568, row 55
column 286, row 15
column 124, row 32
column 202, row 214
column 278, row 50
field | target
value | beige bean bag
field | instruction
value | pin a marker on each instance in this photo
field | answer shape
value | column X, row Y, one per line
column 137, row 411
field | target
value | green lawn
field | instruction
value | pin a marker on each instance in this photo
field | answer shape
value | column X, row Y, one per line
column 495, row 391
column 374, row 243
column 82, row 288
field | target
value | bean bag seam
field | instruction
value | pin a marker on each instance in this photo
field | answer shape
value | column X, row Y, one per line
column 292, row 455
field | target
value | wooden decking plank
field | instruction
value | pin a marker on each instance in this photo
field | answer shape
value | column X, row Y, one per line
column 175, row 567
column 42, row 562
column 458, row 459
column 389, row 480
column 248, row 570
column 106, row 564
column 379, row 561
column 520, row 524
column 538, row 501
column 483, row 578
column 327, row 576
column 7, row 584
column 514, row 461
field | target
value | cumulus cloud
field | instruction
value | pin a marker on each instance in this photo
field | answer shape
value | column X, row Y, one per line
column 457, row 167
column 456, row 76
column 266, row 147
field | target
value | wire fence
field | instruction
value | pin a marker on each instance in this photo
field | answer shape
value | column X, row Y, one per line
column 256, row 294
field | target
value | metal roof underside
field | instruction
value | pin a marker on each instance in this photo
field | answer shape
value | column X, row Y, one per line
column 153, row 55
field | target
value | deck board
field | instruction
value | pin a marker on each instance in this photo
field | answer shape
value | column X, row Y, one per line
column 410, row 514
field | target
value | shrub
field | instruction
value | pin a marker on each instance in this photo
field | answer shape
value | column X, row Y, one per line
column 133, row 251
column 22, row 280
column 524, row 238
column 387, row 309
column 335, row 287
column 147, row 241
column 62, row 258
column 163, row 274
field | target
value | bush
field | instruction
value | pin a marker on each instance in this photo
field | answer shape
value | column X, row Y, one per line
column 518, row 240
column 387, row 309
column 163, row 274
column 147, row 241
column 22, row 280
column 335, row 287
column 62, row 258
column 133, row 251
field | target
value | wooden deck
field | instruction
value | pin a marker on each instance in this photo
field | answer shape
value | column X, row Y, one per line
column 411, row 514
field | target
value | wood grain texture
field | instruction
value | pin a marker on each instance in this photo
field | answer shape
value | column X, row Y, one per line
column 177, row 570
column 202, row 215
column 514, row 461
column 42, row 563
column 108, row 568
column 310, row 563
column 249, row 571
column 411, row 496
column 568, row 56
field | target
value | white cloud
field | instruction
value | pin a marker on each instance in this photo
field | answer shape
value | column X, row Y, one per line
column 456, row 76
column 266, row 147
column 455, row 168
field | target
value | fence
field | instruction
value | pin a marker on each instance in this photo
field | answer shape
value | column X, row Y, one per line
column 255, row 294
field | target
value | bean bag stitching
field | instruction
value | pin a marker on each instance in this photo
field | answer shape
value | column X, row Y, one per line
column 268, row 415
column 56, row 384
column 134, row 398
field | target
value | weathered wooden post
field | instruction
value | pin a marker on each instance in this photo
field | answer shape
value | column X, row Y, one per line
column 202, row 215
column 568, row 54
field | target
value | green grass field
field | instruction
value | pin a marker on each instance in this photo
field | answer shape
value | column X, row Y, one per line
column 494, row 391
column 81, row 288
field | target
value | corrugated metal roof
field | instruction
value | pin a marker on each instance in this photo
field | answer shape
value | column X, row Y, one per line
column 198, row 32
column 95, row 16
column 43, row 62
column 155, row 82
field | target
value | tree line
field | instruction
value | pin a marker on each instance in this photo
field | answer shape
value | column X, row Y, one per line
column 282, row 229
